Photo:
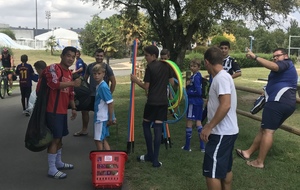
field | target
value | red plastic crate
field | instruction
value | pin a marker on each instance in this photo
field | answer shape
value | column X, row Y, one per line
column 108, row 168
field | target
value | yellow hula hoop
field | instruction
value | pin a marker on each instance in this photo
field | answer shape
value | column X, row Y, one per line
column 178, row 74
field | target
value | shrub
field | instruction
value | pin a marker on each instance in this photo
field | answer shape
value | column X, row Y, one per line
column 8, row 32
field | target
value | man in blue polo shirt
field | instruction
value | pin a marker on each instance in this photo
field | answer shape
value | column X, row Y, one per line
column 280, row 103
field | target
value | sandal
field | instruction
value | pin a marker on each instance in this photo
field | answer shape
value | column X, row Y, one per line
column 66, row 167
column 58, row 175
column 79, row 134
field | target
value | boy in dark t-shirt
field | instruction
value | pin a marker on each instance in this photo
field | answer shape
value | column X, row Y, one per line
column 25, row 73
column 157, row 77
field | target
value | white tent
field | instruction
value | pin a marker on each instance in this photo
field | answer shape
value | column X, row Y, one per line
column 6, row 41
column 63, row 38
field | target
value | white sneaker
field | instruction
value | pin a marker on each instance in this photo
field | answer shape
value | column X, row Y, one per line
column 190, row 150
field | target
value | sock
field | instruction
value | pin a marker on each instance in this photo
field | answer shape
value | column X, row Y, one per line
column 202, row 145
column 58, row 161
column 148, row 139
column 188, row 136
column 163, row 134
column 204, row 114
column 51, row 164
column 23, row 103
column 157, row 133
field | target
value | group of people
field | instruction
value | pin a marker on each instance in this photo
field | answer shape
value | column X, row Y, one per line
column 217, row 136
column 60, row 90
column 221, row 130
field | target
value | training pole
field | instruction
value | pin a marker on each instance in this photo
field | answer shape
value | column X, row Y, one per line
column 130, row 140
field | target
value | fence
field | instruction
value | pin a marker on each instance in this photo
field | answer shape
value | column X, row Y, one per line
column 140, row 72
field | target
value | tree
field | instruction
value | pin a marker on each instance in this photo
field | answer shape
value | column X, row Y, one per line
column 176, row 21
column 9, row 32
column 294, row 30
column 51, row 42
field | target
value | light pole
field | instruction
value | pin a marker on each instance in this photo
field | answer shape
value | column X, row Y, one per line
column 251, row 38
column 48, row 17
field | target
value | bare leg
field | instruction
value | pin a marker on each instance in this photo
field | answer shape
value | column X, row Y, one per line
column 106, row 145
column 10, row 81
column 227, row 182
column 213, row 184
column 255, row 145
column 265, row 145
column 54, row 146
column 99, row 145
column 85, row 122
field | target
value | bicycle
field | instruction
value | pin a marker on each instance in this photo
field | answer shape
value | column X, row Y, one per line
column 4, row 83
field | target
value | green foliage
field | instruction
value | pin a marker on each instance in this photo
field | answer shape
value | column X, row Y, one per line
column 176, row 22
column 217, row 39
column 200, row 49
column 51, row 42
column 9, row 32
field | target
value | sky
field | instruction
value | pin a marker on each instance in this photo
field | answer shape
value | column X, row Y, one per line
column 64, row 13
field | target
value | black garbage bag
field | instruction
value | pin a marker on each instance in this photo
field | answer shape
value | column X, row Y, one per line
column 82, row 96
column 38, row 135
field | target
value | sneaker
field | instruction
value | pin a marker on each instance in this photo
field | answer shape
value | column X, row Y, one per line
column 202, row 150
column 143, row 158
column 160, row 164
column 9, row 92
column 190, row 150
column 26, row 113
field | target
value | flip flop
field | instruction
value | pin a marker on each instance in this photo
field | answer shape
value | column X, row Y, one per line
column 66, row 167
column 79, row 134
column 240, row 154
column 58, row 175
column 249, row 163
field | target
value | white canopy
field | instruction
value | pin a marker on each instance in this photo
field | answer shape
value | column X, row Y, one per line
column 63, row 38
column 59, row 33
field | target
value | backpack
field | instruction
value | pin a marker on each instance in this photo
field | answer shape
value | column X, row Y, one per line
column 82, row 97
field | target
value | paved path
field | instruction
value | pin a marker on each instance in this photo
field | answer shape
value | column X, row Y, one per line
column 23, row 169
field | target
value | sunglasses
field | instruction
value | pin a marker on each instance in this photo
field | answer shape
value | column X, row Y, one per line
column 276, row 56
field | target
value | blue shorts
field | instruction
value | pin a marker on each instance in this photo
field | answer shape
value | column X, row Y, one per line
column 58, row 124
column 274, row 114
column 152, row 112
column 218, row 155
column 194, row 112
column 101, row 130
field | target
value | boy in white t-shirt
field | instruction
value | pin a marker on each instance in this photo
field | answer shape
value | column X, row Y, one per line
column 103, row 108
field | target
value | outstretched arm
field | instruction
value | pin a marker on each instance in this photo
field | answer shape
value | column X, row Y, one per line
column 266, row 63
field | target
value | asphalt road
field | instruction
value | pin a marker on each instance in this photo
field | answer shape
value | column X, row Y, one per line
column 23, row 169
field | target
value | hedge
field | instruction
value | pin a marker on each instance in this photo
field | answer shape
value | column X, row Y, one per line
column 240, row 58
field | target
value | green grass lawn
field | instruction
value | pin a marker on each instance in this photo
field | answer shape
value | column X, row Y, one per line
column 183, row 170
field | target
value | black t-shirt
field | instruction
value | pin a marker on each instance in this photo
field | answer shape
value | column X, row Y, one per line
column 158, row 74
column 6, row 61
